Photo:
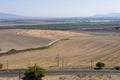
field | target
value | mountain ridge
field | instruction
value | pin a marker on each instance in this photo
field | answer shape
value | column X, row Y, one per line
column 9, row 16
column 110, row 15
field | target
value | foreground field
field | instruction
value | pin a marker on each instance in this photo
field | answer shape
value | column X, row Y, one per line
column 83, row 77
column 78, row 52
column 73, row 77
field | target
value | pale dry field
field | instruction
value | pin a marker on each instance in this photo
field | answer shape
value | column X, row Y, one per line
column 53, row 34
column 76, row 52
column 21, row 39
column 13, row 39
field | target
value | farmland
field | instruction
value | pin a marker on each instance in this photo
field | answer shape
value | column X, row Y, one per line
column 86, row 41
column 62, row 25
column 77, row 51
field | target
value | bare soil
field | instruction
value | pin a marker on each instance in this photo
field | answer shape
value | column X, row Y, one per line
column 72, row 77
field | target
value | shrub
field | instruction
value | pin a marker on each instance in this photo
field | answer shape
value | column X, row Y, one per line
column 100, row 65
column 34, row 73
column 1, row 65
column 116, row 28
column 12, row 51
column 117, row 68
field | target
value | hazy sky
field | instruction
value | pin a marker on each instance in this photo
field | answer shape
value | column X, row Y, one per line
column 59, row 8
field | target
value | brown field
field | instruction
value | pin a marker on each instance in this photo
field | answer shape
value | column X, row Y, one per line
column 83, row 77
column 76, row 52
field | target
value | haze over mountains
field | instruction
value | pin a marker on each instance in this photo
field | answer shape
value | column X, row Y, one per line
column 7, row 16
column 4, row 16
column 111, row 15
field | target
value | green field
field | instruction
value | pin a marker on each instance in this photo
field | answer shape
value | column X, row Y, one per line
column 69, row 26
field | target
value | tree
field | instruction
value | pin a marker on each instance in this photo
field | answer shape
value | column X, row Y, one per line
column 34, row 73
column 117, row 68
column 116, row 28
column 1, row 65
column 100, row 65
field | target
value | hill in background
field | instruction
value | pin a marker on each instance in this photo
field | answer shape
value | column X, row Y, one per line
column 8, row 16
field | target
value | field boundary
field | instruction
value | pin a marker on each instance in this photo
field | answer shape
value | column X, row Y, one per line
column 14, row 51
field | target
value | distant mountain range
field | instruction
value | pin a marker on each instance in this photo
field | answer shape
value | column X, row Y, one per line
column 111, row 15
column 7, row 16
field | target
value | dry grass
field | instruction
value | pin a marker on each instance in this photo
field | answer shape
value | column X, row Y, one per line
column 21, row 39
column 78, row 51
column 13, row 39
column 52, row 34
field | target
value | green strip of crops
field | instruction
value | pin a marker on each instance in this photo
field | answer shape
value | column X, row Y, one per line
column 68, row 26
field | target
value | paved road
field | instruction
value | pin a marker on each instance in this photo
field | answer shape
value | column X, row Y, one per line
column 70, row 72
column 62, row 72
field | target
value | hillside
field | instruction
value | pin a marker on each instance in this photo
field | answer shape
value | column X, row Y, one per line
column 22, row 39
column 53, row 34
column 13, row 39
column 77, row 51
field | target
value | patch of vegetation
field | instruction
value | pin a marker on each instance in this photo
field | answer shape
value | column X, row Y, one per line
column 34, row 73
column 98, row 75
column 12, row 51
column 1, row 66
column 99, row 65
column 117, row 67
column 116, row 28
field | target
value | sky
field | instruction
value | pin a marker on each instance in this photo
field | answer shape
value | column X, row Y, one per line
column 59, row 8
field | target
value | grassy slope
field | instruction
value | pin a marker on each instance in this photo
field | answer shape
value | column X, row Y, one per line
column 12, row 39
column 77, row 51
